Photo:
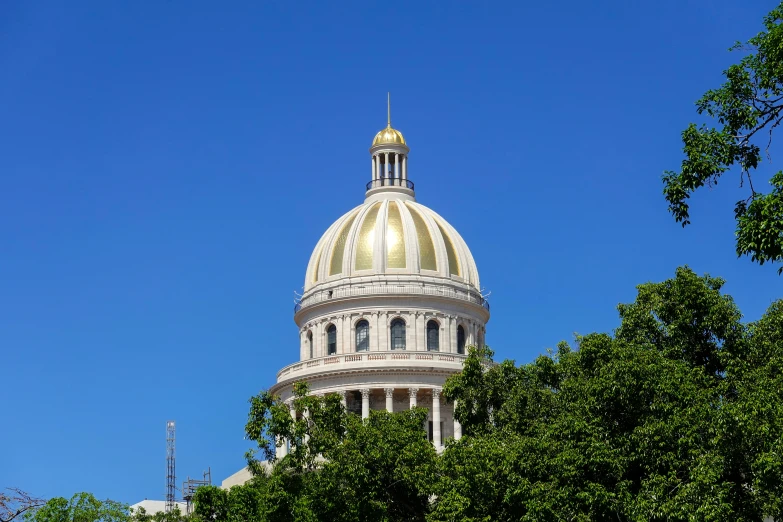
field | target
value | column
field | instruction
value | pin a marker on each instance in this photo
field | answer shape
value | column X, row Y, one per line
column 318, row 339
column 386, row 164
column 365, row 403
column 377, row 166
column 306, row 416
column 293, row 416
column 343, row 398
column 412, row 393
column 410, row 336
column 415, row 325
column 383, row 331
column 345, row 339
column 453, row 333
column 389, row 399
column 374, row 172
column 457, row 425
column 421, row 327
column 282, row 448
column 436, row 438
column 396, row 165
column 405, row 167
column 375, row 343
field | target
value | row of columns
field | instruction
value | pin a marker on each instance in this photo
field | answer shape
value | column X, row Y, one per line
column 437, row 438
column 400, row 166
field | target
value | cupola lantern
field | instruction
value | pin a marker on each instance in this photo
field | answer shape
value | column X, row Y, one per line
column 389, row 158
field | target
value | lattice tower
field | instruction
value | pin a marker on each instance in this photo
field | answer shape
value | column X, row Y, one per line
column 171, row 473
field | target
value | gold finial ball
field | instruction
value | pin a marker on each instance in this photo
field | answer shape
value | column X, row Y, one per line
column 388, row 136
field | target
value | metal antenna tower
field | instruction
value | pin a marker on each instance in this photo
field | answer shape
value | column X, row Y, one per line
column 171, row 474
column 189, row 488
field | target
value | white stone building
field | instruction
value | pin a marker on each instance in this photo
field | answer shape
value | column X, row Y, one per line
column 391, row 299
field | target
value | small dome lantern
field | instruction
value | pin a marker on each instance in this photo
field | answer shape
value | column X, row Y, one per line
column 389, row 153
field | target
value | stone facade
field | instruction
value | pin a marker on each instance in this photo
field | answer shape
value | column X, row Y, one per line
column 392, row 299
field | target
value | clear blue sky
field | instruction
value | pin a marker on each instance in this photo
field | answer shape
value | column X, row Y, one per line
column 167, row 167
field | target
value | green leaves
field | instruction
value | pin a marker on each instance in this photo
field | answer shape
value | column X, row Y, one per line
column 760, row 225
column 82, row 507
column 748, row 108
column 678, row 416
column 340, row 467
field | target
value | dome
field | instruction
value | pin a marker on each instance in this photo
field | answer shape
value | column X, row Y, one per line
column 393, row 236
column 388, row 136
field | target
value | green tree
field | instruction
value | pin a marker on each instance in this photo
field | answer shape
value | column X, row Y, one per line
column 677, row 416
column 238, row 504
column 340, row 467
column 82, row 507
column 748, row 108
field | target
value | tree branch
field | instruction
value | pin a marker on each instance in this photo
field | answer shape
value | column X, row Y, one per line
column 16, row 503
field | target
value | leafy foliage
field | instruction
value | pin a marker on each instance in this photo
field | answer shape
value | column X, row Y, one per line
column 82, row 507
column 675, row 417
column 748, row 107
column 340, row 467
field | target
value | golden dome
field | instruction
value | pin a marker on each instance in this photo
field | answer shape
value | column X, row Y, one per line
column 391, row 235
column 388, row 136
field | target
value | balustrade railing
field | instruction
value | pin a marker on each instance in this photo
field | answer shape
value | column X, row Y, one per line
column 359, row 358
column 372, row 290
column 390, row 182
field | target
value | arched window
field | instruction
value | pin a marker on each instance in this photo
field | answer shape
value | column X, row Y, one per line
column 460, row 339
column 362, row 336
column 433, row 336
column 398, row 334
column 310, row 343
column 331, row 339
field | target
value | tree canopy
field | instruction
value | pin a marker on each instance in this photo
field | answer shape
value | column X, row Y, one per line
column 340, row 467
column 82, row 507
column 677, row 416
column 748, row 108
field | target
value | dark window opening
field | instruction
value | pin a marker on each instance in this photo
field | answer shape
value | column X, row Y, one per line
column 398, row 334
column 331, row 339
column 433, row 336
column 362, row 336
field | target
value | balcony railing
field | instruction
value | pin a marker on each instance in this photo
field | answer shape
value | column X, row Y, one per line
column 374, row 290
column 390, row 182
column 371, row 358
